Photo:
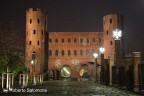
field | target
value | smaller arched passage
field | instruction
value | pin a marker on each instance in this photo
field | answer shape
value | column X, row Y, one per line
column 84, row 71
column 66, row 71
column 51, row 75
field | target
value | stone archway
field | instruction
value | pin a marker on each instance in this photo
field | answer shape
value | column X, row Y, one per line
column 66, row 71
column 84, row 71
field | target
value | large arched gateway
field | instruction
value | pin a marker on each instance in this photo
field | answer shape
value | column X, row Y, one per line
column 65, row 71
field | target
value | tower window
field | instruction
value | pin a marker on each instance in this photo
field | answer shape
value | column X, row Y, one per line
column 107, row 32
column 34, row 31
column 38, row 42
column 62, row 52
column 110, row 20
column 75, row 52
column 38, row 21
column 110, row 42
column 56, row 52
column 68, row 40
column 62, row 40
column 50, row 52
column 56, row 40
column 69, row 52
column 81, row 52
column 42, row 32
column 75, row 40
column 30, row 42
column 50, row 40
column 30, row 21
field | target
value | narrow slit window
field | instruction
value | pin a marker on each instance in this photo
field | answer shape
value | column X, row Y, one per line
column 34, row 31
column 30, row 21
column 30, row 42
column 38, row 21
column 38, row 42
column 110, row 42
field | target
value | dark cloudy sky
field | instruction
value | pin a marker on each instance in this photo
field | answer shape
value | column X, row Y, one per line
column 82, row 15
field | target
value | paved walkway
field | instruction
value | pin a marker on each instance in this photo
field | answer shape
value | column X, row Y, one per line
column 70, row 88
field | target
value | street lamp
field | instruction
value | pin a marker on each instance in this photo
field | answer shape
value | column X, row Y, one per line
column 95, row 56
column 102, row 50
column 117, row 34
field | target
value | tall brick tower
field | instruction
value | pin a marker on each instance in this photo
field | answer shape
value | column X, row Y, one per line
column 110, row 23
column 36, row 41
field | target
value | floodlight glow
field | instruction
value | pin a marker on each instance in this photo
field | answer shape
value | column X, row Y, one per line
column 66, row 70
column 102, row 50
column 95, row 55
column 117, row 34
column 32, row 61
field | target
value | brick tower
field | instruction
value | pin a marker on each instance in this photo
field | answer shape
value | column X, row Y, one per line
column 36, row 41
column 113, row 49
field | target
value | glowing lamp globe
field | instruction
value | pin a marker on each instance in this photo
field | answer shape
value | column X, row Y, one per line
column 102, row 50
column 95, row 55
column 117, row 33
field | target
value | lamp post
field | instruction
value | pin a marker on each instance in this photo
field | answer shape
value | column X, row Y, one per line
column 102, row 50
column 117, row 34
column 95, row 56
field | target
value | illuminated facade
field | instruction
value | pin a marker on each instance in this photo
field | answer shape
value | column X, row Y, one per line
column 35, row 51
column 69, row 53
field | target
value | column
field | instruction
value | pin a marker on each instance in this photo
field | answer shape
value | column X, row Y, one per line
column 137, row 61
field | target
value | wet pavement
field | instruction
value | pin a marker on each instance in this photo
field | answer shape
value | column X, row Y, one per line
column 69, row 88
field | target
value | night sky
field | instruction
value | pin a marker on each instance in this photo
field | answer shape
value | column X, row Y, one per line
column 81, row 15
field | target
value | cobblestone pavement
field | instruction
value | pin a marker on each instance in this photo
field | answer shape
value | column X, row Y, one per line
column 70, row 88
